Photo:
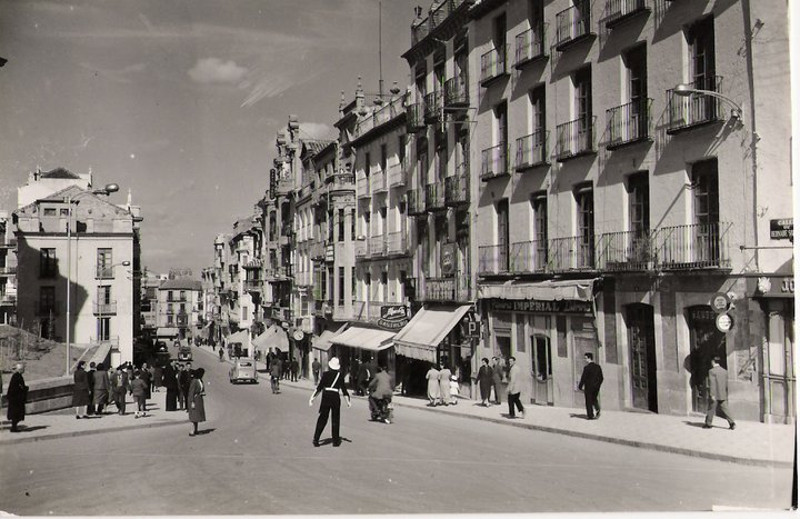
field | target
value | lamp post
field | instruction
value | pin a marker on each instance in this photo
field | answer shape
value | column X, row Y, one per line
column 684, row 90
column 106, row 190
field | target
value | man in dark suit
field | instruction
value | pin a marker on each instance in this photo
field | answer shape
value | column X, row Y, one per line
column 718, row 394
column 591, row 380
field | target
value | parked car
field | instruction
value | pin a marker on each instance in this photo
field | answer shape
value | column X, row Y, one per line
column 185, row 353
column 243, row 369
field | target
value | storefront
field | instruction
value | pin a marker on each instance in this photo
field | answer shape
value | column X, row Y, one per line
column 363, row 345
column 321, row 345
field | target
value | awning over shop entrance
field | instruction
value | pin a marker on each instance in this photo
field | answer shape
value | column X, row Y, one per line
column 323, row 342
column 364, row 338
column 573, row 289
column 422, row 335
column 274, row 337
column 241, row 337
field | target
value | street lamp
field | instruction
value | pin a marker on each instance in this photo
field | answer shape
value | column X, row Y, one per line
column 106, row 190
column 684, row 90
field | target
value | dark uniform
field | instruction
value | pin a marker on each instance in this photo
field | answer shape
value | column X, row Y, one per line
column 330, row 384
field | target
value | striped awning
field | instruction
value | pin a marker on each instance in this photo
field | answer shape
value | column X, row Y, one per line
column 364, row 338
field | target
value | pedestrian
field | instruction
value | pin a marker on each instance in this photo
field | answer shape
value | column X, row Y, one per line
column 286, row 365
column 16, row 397
column 454, row 389
column 101, row 386
column 484, row 380
column 315, row 367
column 196, row 395
column 275, row 372
column 147, row 377
column 433, row 385
column 184, row 381
column 90, row 379
column 380, row 393
column 591, row 380
column 295, row 369
column 170, row 377
column 444, row 383
column 120, row 385
column 514, row 388
column 331, row 383
column 717, row 395
column 139, row 390
column 497, row 378
column 364, row 376
column 80, row 390
column 158, row 377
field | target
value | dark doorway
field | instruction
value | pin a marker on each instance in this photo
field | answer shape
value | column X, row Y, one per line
column 641, row 341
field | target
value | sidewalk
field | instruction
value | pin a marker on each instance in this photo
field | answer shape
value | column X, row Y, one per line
column 752, row 443
column 62, row 423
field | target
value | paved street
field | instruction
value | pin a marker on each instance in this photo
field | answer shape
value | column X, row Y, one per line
column 256, row 457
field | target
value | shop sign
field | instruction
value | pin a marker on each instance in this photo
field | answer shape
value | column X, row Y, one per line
column 448, row 258
column 781, row 229
column 393, row 317
column 702, row 313
column 297, row 335
column 720, row 302
column 724, row 322
column 470, row 326
column 771, row 287
column 534, row 305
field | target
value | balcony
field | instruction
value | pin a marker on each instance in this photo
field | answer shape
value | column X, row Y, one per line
column 573, row 25
column 101, row 309
column 397, row 174
column 377, row 245
column 456, row 94
column 7, row 271
column 433, row 106
column 626, row 251
column 572, row 253
column 396, row 243
column 530, row 46
column 492, row 259
column 575, row 139
column 529, row 257
column 284, row 187
column 419, row 31
column 450, row 289
column 317, row 251
column 340, row 182
column 379, row 181
column 694, row 246
column 434, row 196
column 494, row 162
column 176, row 299
column 7, row 299
column 380, row 116
column 619, row 11
column 362, row 187
column 694, row 110
column 493, row 65
column 102, row 272
column 252, row 285
column 415, row 121
column 416, row 202
column 456, row 187
column 304, row 278
column 532, row 150
column 360, row 248
column 629, row 123
column 7, row 242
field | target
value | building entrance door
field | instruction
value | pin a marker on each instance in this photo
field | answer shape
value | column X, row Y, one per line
column 542, row 370
column 641, row 339
column 583, row 341
column 706, row 343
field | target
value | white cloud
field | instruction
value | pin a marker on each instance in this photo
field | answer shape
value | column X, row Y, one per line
column 215, row 70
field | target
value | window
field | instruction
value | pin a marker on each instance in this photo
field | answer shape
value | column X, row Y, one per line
column 639, row 203
column 182, row 308
column 539, row 205
column 637, row 117
column 401, row 149
column 538, row 119
column 183, row 292
column 499, row 39
column 502, row 235
column 47, row 301
column 341, row 286
column 170, row 320
column 47, row 263
column 367, row 286
column 170, row 309
column 352, row 224
column 341, row 225
column 103, row 328
column 104, row 262
column 422, row 236
column 64, row 212
column 245, row 313
column 705, row 183
column 49, row 211
column 353, row 282
column 367, row 164
column 384, row 158
column 170, row 296
column 582, row 81
column 384, row 286
column 104, row 295
column 703, row 68
column 330, row 226
column 584, row 197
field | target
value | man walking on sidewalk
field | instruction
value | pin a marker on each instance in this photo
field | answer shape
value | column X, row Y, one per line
column 591, row 380
column 718, row 394
column 514, row 388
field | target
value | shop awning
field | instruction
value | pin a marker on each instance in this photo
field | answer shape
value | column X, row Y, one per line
column 241, row 337
column 274, row 337
column 364, row 338
column 573, row 289
column 422, row 335
column 323, row 342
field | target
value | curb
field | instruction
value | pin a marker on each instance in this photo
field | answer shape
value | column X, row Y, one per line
column 72, row 434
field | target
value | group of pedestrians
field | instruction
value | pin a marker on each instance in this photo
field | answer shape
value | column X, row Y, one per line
column 443, row 386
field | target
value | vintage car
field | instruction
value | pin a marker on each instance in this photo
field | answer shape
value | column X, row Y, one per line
column 185, row 353
column 243, row 369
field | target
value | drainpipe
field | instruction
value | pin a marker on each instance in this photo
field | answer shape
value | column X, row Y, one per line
column 748, row 42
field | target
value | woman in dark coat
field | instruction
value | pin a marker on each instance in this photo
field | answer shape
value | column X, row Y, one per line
column 170, row 379
column 80, row 390
column 485, row 381
column 17, row 395
column 331, row 383
column 197, row 410
column 102, row 384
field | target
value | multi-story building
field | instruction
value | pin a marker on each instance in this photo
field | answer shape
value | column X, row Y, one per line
column 632, row 155
column 75, row 255
column 244, row 267
column 8, row 271
column 149, row 305
column 178, row 307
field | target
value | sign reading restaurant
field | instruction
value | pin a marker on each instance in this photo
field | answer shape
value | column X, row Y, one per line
column 563, row 306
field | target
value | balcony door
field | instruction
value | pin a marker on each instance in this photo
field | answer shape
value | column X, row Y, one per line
column 583, row 110
column 703, row 67
column 636, row 65
column 502, row 235
column 585, row 246
column 639, row 247
column 705, row 182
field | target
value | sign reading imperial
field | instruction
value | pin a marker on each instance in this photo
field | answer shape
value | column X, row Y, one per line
column 393, row 317
column 534, row 305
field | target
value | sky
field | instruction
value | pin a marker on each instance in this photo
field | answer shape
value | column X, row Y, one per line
column 179, row 101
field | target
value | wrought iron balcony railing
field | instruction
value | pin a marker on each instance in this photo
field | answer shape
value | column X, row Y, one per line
column 252, row 285
column 416, row 202
column 456, row 187
column 532, row 150
column 396, row 243
column 107, row 309
column 379, row 184
column 415, row 118
column 7, row 242
column 396, row 176
column 377, row 245
column 617, row 11
column 572, row 253
column 362, row 187
column 530, row 46
column 529, row 256
column 693, row 246
column 13, row 270
column 433, row 106
column 493, row 65
column 626, row 251
column 360, row 248
column 629, row 123
column 575, row 138
column 573, row 24
column 693, row 110
column 434, row 197
column 494, row 162
column 456, row 94
column 492, row 259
